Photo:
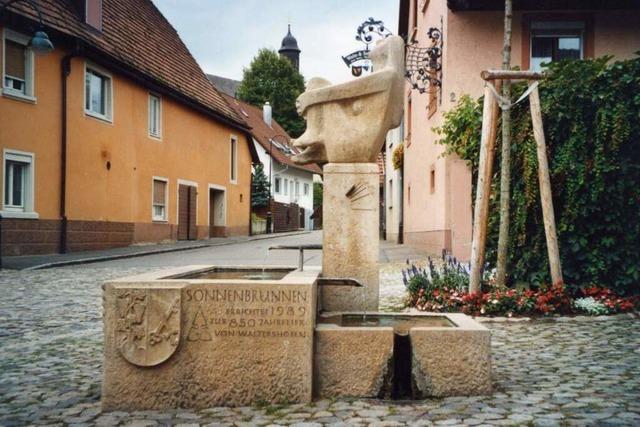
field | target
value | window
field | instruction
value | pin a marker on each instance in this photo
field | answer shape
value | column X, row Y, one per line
column 297, row 188
column 234, row 160
column 155, row 116
column 390, row 196
column 306, row 189
column 277, row 184
column 556, row 41
column 159, row 201
column 291, row 188
column 18, row 184
column 97, row 94
column 18, row 66
column 432, row 179
column 286, row 186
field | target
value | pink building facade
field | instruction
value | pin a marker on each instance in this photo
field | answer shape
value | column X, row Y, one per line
column 436, row 189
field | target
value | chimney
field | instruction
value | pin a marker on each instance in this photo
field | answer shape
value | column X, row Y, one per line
column 266, row 113
column 91, row 12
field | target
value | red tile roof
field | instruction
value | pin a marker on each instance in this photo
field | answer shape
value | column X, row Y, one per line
column 136, row 34
column 263, row 133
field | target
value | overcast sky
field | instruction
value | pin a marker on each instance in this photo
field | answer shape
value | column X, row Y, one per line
column 224, row 35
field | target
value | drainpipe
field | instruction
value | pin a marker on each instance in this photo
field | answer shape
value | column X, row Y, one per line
column 401, row 206
column 65, row 68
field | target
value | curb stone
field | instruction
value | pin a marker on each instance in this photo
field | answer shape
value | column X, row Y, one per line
column 104, row 258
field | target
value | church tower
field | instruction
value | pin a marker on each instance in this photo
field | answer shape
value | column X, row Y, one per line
column 290, row 50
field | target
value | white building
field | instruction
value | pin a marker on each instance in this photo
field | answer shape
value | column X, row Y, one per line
column 393, row 187
column 290, row 183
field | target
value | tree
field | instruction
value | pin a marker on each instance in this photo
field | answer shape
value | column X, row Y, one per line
column 317, row 194
column 260, row 192
column 273, row 79
column 505, row 167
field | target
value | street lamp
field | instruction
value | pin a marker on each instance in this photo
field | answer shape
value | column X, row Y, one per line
column 39, row 43
column 278, row 135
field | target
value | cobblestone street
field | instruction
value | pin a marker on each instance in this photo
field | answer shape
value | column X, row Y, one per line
column 547, row 373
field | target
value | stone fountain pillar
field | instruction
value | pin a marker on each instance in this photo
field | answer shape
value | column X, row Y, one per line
column 350, row 235
column 346, row 127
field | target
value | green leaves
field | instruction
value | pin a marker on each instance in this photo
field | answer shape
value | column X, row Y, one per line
column 591, row 117
column 273, row 79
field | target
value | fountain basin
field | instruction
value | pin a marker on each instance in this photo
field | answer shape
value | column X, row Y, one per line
column 401, row 356
column 203, row 336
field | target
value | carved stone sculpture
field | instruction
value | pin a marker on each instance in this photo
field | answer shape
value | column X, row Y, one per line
column 347, row 122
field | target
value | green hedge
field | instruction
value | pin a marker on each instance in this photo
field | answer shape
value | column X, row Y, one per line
column 591, row 117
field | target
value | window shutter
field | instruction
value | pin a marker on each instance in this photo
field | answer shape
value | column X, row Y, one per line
column 15, row 59
column 159, row 192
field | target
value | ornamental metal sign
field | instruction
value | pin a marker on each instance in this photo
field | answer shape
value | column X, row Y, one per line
column 368, row 32
column 424, row 64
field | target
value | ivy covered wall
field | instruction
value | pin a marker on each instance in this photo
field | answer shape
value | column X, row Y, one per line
column 591, row 114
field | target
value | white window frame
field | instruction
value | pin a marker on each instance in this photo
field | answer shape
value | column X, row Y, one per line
column 29, row 67
column 550, row 26
column 286, row 187
column 233, row 159
column 158, row 133
column 108, row 117
column 27, row 210
column 164, row 218
column 277, row 185
column 305, row 189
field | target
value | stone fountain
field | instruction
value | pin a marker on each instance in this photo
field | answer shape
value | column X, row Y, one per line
column 202, row 336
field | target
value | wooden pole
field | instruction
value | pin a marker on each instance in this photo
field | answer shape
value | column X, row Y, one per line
column 511, row 75
column 490, row 113
column 545, row 189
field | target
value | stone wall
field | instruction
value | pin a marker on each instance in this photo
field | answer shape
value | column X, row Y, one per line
column 41, row 236
column 96, row 235
column 29, row 236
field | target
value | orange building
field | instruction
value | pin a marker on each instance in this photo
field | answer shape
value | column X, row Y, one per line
column 429, row 201
column 116, row 136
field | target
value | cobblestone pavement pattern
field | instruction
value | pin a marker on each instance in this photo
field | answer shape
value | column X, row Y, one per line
column 546, row 373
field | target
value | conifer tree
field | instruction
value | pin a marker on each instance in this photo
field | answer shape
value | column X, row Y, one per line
column 260, row 193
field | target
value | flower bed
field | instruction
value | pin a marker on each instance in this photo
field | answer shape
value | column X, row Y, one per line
column 443, row 287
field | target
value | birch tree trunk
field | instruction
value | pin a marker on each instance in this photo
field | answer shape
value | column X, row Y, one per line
column 505, row 171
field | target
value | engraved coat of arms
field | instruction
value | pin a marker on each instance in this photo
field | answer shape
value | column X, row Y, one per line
column 148, row 324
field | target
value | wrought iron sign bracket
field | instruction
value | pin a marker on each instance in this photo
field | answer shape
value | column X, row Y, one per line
column 424, row 64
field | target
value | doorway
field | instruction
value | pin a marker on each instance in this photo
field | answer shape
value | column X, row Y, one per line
column 217, row 213
column 187, row 206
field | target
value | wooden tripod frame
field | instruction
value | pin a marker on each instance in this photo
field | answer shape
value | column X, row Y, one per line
column 483, row 188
